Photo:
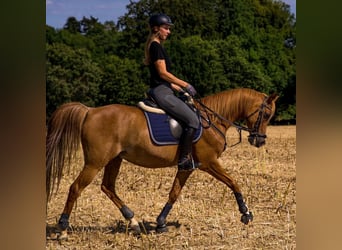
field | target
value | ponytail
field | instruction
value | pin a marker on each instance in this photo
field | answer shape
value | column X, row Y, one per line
column 153, row 34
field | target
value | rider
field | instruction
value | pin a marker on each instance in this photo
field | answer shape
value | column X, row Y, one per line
column 163, row 84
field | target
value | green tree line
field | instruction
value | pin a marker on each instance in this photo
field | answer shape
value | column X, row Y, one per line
column 214, row 44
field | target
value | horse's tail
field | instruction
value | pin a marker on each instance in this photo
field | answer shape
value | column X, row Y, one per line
column 62, row 141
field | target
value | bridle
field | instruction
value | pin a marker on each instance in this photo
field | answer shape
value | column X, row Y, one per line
column 253, row 132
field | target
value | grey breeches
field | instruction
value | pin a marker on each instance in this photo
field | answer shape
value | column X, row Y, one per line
column 180, row 111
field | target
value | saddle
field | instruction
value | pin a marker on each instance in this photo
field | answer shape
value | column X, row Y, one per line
column 164, row 130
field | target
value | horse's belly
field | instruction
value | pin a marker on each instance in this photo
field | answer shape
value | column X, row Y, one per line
column 152, row 157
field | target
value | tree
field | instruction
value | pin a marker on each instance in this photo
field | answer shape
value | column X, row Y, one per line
column 122, row 82
column 72, row 25
column 197, row 61
column 71, row 75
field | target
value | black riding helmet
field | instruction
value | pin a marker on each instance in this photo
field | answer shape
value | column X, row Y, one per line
column 159, row 19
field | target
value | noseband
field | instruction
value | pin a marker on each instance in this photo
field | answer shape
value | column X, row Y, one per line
column 253, row 132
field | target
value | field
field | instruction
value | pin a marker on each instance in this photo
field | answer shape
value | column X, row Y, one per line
column 205, row 216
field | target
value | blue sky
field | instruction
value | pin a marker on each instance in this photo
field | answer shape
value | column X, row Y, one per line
column 58, row 11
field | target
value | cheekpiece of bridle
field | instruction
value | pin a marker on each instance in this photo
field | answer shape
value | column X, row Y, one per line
column 253, row 132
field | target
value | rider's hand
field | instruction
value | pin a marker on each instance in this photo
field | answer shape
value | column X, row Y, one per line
column 191, row 90
column 176, row 87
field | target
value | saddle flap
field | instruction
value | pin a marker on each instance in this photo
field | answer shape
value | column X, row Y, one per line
column 164, row 130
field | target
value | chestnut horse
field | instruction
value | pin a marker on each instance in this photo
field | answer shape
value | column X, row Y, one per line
column 115, row 132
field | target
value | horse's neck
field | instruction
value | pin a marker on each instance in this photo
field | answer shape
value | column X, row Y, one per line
column 237, row 108
column 234, row 107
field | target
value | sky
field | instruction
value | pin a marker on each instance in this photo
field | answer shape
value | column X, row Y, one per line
column 58, row 11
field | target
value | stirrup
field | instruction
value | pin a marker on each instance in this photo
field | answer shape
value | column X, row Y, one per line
column 187, row 165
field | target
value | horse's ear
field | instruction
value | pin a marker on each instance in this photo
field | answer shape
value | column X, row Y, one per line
column 272, row 98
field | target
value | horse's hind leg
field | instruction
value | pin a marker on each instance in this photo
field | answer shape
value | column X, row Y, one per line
column 108, row 187
column 84, row 179
column 218, row 172
column 177, row 186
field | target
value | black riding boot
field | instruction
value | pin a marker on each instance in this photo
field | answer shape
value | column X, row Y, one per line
column 185, row 160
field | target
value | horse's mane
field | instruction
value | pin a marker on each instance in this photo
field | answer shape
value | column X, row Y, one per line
column 232, row 103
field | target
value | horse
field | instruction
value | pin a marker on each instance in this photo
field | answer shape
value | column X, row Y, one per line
column 108, row 134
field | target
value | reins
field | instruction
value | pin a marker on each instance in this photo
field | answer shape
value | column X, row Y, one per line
column 208, row 110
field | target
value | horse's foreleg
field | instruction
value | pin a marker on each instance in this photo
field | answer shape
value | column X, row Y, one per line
column 84, row 178
column 108, row 187
column 218, row 172
column 177, row 186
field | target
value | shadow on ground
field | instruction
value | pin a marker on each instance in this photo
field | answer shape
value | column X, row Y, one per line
column 121, row 227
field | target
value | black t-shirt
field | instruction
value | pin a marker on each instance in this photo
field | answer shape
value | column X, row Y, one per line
column 157, row 52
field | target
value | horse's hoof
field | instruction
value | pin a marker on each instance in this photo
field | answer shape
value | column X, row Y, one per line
column 52, row 236
column 136, row 229
column 63, row 235
column 161, row 229
column 246, row 218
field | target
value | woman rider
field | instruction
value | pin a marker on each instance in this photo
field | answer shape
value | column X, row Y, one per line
column 163, row 84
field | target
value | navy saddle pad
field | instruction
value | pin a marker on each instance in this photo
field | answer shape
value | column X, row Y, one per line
column 160, row 132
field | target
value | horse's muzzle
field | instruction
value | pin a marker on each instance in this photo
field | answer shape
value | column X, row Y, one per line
column 257, row 140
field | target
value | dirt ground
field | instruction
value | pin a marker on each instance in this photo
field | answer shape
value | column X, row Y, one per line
column 205, row 216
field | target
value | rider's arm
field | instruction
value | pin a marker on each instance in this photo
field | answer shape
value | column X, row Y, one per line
column 167, row 76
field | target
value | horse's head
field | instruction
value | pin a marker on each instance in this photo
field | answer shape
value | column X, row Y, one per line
column 259, row 118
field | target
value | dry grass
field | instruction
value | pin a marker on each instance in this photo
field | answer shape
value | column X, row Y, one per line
column 206, row 215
